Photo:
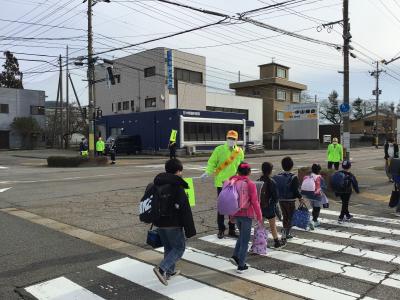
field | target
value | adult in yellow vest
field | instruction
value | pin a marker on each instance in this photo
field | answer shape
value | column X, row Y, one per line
column 100, row 147
column 335, row 154
column 223, row 164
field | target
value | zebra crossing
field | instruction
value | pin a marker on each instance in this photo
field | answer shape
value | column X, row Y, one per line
column 354, row 260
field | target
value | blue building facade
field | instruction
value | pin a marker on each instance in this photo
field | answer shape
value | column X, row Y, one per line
column 195, row 128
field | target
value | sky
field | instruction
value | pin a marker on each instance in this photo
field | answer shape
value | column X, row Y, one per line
column 41, row 29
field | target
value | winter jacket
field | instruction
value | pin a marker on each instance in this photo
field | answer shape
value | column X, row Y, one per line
column 335, row 152
column 100, row 146
column 254, row 210
column 183, row 214
column 352, row 184
column 268, row 195
column 218, row 157
column 293, row 187
column 395, row 151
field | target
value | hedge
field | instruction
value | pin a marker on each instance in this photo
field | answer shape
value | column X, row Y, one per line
column 64, row 161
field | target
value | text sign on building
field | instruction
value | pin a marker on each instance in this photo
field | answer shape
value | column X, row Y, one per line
column 304, row 111
column 170, row 78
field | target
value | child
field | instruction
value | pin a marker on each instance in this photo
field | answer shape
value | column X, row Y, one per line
column 268, row 202
column 350, row 184
column 244, row 217
column 288, row 188
column 315, row 197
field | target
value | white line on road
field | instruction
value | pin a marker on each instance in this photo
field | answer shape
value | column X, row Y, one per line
column 364, row 217
column 5, row 189
column 180, row 288
column 300, row 287
column 310, row 261
column 61, row 289
column 1, row 167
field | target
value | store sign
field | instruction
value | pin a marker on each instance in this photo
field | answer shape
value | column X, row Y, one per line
column 170, row 78
column 305, row 111
column 191, row 113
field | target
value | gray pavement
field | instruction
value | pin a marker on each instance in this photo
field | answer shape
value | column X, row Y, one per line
column 105, row 200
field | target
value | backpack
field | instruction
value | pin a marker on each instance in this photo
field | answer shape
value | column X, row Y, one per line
column 156, row 203
column 311, row 184
column 340, row 182
column 233, row 197
column 264, row 190
column 283, row 183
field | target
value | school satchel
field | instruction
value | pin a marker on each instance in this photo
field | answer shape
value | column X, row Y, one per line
column 394, row 198
column 301, row 217
column 153, row 238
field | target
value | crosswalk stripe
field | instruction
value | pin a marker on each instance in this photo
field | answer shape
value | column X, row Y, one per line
column 364, row 217
column 180, row 288
column 1, row 167
column 299, row 287
column 354, row 225
column 61, row 288
column 323, row 264
column 313, row 243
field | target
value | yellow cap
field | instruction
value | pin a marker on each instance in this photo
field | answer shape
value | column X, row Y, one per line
column 232, row 134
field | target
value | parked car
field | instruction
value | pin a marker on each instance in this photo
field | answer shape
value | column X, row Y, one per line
column 125, row 144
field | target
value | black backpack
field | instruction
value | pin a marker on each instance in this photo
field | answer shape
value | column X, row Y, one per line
column 157, row 202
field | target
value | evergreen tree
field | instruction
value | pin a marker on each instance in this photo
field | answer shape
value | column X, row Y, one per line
column 11, row 76
column 329, row 109
column 358, row 109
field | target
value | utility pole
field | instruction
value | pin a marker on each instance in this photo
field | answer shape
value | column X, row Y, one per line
column 346, row 100
column 90, row 76
column 67, row 101
column 376, row 92
column 61, row 106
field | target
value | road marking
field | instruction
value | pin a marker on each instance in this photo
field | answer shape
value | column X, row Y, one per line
column 300, row 287
column 5, row 189
column 313, row 243
column 351, row 224
column 61, row 289
column 310, row 261
column 1, row 167
column 180, row 288
column 364, row 217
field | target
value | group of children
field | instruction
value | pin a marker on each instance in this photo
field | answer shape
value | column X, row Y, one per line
column 280, row 192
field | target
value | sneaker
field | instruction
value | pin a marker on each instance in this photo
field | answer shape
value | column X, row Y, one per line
column 317, row 224
column 176, row 273
column 160, row 275
column 221, row 234
column 232, row 233
column 397, row 214
column 311, row 225
column 289, row 235
column 348, row 217
column 340, row 221
column 241, row 270
column 234, row 260
column 279, row 244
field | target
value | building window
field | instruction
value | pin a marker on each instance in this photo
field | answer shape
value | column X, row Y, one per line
column 196, row 131
column 280, row 115
column 281, row 95
column 227, row 109
column 119, row 106
column 112, row 107
column 188, row 76
column 37, row 110
column 280, row 72
column 296, row 97
column 369, row 123
column 148, row 72
column 3, row 108
column 125, row 105
column 132, row 105
column 150, row 102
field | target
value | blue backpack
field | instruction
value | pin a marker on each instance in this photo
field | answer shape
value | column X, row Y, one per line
column 283, row 183
column 340, row 182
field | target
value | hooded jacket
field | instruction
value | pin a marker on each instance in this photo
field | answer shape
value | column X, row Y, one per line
column 335, row 152
column 183, row 214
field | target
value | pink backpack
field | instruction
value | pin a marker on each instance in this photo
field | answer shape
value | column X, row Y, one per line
column 260, row 241
column 233, row 197
column 242, row 189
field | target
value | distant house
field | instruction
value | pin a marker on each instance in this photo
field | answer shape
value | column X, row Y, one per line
column 20, row 103
column 387, row 124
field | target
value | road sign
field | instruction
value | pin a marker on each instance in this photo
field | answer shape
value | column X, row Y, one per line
column 344, row 108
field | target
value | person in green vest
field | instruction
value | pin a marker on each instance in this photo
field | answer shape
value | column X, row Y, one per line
column 335, row 154
column 100, row 147
column 223, row 164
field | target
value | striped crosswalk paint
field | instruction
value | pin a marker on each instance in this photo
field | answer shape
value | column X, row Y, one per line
column 180, row 288
column 296, row 286
column 323, row 264
column 61, row 288
column 364, row 217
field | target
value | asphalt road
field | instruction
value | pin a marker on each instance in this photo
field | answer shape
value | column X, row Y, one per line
column 348, row 261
